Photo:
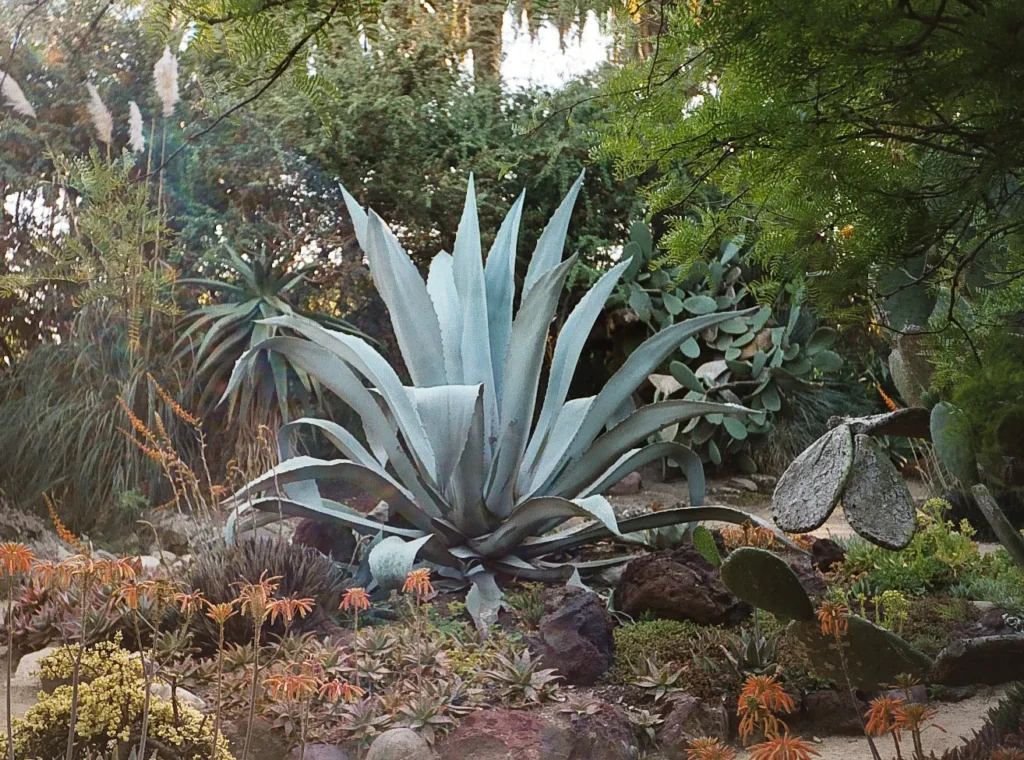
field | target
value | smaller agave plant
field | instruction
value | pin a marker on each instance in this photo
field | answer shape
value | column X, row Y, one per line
column 476, row 478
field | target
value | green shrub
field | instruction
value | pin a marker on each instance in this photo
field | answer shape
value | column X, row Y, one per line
column 303, row 571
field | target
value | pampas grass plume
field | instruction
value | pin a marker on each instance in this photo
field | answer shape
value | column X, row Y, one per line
column 135, row 138
column 165, row 80
column 11, row 92
column 101, row 118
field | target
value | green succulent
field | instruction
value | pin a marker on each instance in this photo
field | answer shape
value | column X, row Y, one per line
column 218, row 334
column 745, row 359
column 471, row 485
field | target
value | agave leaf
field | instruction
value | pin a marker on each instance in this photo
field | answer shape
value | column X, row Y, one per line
column 637, row 458
column 573, row 539
column 469, row 281
column 521, row 377
column 382, row 377
column 484, row 600
column 641, row 363
column 624, row 436
column 392, row 560
column 359, row 220
column 570, row 343
column 441, row 287
column 270, row 509
column 336, row 376
column 551, row 243
column 447, row 414
column 467, row 484
column 558, row 439
column 341, row 438
column 499, row 277
column 412, row 313
column 533, row 514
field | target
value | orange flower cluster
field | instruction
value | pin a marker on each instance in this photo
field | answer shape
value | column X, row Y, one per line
column 303, row 681
column 15, row 559
column 834, row 619
column 418, row 583
column 760, row 699
column 355, row 599
column 748, row 534
column 179, row 411
column 709, row 749
column 891, row 405
column 63, row 533
column 783, row 747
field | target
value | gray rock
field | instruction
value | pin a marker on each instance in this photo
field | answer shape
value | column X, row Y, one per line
column 810, row 488
column 27, row 673
column 688, row 718
column 991, row 660
column 746, row 484
column 174, row 531
column 631, row 484
column 321, row 752
column 508, row 735
column 575, row 635
column 876, row 500
column 183, row 696
column 400, row 744
column 604, row 734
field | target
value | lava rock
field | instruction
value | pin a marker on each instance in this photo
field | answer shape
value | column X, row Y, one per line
column 321, row 752
column 990, row 660
column 330, row 539
column 631, row 484
column 829, row 711
column 507, row 735
column 400, row 744
column 575, row 635
column 809, row 578
column 689, row 718
column 604, row 734
column 678, row 585
column 826, row 554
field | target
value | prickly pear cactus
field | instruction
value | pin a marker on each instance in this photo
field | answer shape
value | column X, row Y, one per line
column 704, row 541
column 810, row 488
column 876, row 500
column 760, row 578
column 873, row 656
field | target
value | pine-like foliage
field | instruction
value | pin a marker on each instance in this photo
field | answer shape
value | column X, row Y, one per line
column 875, row 146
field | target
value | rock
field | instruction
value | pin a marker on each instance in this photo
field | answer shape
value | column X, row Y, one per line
column 826, row 554
column 688, row 718
column 990, row 660
column 918, row 694
column 400, row 744
column 828, row 711
column 764, row 480
column 809, row 489
column 381, row 513
column 575, row 635
column 16, row 525
column 321, row 752
column 678, row 585
column 746, row 484
column 631, row 484
column 174, row 531
column 150, row 563
column 809, row 578
column 603, row 735
column 267, row 744
column 183, row 696
column 876, row 500
column 330, row 539
column 507, row 735
column 27, row 673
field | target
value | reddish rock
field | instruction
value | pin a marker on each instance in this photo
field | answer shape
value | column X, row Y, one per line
column 828, row 711
column 631, row 484
column 575, row 635
column 826, row 554
column 603, row 735
column 688, row 718
column 507, row 735
column 678, row 585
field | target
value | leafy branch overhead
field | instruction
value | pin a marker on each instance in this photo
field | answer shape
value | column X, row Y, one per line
column 454, row 455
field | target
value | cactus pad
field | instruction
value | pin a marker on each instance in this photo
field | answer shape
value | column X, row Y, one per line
column 704, row 542
column 760, row 578
column 809, row 489
column 874, row 656
column 876, row 500
column 990, row 660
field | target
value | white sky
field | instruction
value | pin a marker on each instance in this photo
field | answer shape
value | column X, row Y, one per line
column 540, row 62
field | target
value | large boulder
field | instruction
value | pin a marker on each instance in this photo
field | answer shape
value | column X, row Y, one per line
column 687, row 718
column 603, row 733
column 400, row 744
column 828, row 711
column 678, row 585
column 507, row 735
column 575, row 635
column 990, row 660
column 173, row 530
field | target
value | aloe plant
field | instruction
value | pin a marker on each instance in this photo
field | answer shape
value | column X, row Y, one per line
column 219, row 333
column 474, row 475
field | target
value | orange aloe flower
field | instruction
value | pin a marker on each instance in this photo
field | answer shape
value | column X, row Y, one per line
column 760, row 699
column 783, row 747
column 289, row 608
column 709, row 749
column 52, row 574
column 15, row 558
column 291, row 686
column 255, row 597
column 418, row 582
column 355, row 599
column 189, row 602
column 1008, row 753
column 834, row 619
column 336, row 690
column 882, row 716
column 916, row 717
column 221, row 613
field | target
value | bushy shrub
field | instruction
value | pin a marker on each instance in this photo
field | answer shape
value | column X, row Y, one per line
column 303, row 571
column 939, row 556
column 111, row 694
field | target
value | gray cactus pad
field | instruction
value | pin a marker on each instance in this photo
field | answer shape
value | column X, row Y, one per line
column 809, row 489
column 873, row 655
column 876, row 500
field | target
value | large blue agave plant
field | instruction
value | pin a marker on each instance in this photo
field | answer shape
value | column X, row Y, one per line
column 461, row 455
